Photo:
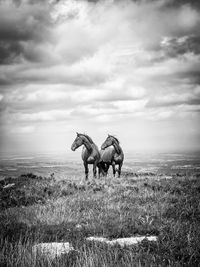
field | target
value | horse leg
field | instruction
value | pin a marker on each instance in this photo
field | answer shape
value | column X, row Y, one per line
column 86, row 170
column 102, row 168
column 113, row 166
column 107, row 168
column 119, row 171
column 95, row 170
column 99, row 171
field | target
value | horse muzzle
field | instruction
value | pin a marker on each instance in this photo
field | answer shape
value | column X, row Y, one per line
column 73, row 148
column 103, row 147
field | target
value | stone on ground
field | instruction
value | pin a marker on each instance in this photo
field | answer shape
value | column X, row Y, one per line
column 127, row 241
column 52, row 250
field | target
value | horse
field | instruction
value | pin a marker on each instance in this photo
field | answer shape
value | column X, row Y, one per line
column 112, row 154
column 90, row 153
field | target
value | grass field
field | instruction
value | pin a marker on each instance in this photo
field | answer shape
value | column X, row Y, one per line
column 38, row 209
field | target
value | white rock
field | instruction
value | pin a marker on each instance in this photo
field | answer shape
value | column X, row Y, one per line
column 127, row 241
column 168, row 177
column 8, row 186
column 96, row 238
column 52, row 250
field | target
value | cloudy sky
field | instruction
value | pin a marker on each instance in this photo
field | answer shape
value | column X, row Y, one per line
column 128, row 68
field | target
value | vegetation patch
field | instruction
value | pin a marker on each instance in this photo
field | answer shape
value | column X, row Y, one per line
column 37, row 209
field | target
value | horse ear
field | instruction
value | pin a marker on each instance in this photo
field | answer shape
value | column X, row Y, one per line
column 108, row 135
column 77, row 134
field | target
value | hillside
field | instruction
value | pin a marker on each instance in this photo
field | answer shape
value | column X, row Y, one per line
column 36, row 209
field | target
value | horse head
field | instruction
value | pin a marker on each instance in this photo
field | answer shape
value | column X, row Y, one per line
column 77, row 142
column 108, row 142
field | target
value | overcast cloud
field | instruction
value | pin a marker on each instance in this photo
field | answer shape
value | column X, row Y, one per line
column 128, row 68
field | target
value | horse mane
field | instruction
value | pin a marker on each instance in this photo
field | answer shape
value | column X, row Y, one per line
column 88, row 138
column 115, row 138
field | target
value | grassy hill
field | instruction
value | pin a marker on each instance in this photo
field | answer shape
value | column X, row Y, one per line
column 37, row 209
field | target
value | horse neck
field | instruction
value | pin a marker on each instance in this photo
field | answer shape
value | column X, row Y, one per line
column 87, row 144
column 117, row 147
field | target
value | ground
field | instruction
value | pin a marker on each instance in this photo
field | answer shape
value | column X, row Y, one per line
column 37, row 209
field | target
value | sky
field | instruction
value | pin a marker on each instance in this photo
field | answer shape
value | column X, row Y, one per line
column 121, row 67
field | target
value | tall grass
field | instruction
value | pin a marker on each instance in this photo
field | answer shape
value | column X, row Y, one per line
column 69, row 212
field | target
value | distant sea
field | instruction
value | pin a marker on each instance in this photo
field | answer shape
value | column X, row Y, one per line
column 65, row 166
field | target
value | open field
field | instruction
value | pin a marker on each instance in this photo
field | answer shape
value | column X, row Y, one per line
column 38, row 209
column 69, row 165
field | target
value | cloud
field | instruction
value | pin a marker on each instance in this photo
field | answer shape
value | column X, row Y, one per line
column 117, row 36
column 23, row 129
column 160, row 115
column 20, row 25
column 176, row 46
column 92, row 63
column 88, row 72
column 190, row 96
column 52, row 115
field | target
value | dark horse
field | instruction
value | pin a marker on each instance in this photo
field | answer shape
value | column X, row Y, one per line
column 90, row 152
column 112, row 154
